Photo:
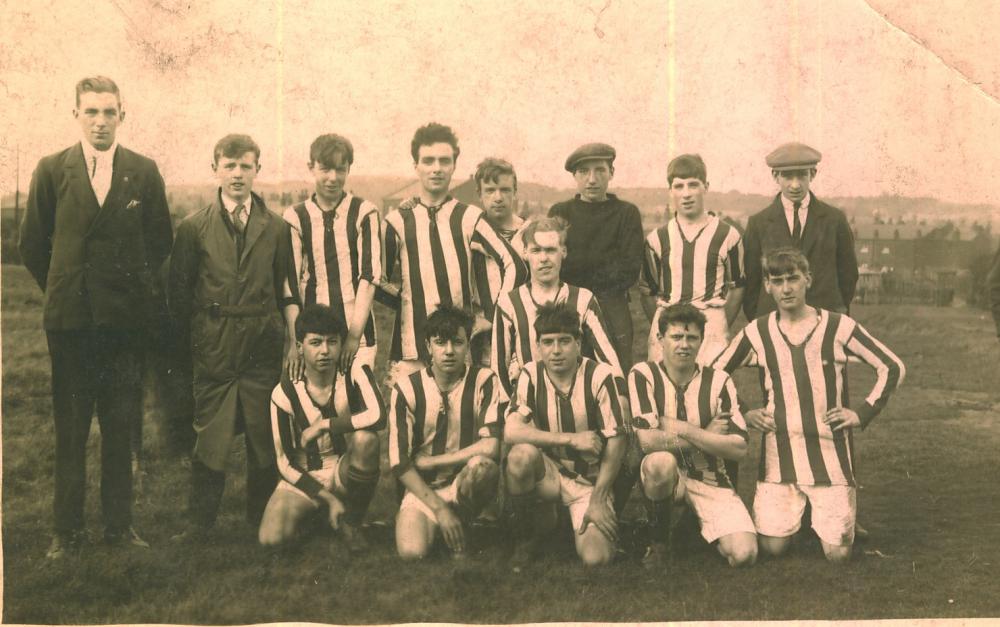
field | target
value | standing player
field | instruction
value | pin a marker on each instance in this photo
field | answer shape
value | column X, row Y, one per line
column 798, row 219
column 690, row 427
column 514, row 339
column 232, row 284
column 496, row 183
column 604, row 244
column 310, row 419
column 564, row 424
column 443, row 443
column 337, row 246
column 694, row 258
column 433, row 242
column 808, row 429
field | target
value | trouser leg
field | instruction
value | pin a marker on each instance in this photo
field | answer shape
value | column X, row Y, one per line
column 614, row 306
column 119, row 406
column 261, row 482
column 72, row 408
column 207, row 486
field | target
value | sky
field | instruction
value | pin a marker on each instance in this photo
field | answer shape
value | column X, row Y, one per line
column 899, row 99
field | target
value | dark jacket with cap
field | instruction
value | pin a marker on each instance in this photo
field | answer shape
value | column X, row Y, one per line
column 604, row 243
column 828, row 244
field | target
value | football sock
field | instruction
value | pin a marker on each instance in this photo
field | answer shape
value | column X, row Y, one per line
column 658, row 513
column 360, row 487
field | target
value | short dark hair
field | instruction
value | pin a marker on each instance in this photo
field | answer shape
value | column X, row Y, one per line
column 689, row 166
column 783, row 261
column 325, row 148
column 433, row 133
column 321, row 320
column 557, row 318
column 491, row 169
column 681, row 313
column 446, row 321
column 545, row 224
column 234, row 146
column 99, row 85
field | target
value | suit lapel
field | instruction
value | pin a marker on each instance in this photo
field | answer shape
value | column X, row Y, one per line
column 814, row 225
column 778, row 224
column 121, row 177
column 76, row 168
column 258, row 220
column 221, row 238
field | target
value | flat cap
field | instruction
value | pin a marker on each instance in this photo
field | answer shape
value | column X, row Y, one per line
column 590, row 151
column 793, row 156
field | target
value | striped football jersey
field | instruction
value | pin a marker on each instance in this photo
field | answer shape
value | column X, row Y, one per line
column 801, row 383
column 654, row 397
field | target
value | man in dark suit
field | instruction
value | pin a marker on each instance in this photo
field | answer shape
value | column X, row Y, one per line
column 233, row 291
column 96, row 230
column 797, row 218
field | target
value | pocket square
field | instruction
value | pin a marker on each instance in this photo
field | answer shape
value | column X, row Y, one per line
column 132, row 204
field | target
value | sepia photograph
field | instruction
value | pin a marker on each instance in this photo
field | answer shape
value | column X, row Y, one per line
column 473, row 312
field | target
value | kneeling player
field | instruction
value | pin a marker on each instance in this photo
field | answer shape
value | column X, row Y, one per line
column 564, row 426
column 808, row 428
column 443, row 443
column 324, row 435
column 691, row 430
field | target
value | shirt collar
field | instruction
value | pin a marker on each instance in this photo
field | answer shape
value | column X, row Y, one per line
column 790, row 206
column 89, row 152
column 230, row 205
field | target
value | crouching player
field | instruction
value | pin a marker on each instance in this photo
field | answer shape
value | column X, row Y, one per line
column 691, row 430
column 324, row 436
column 564, row 424
column 443, row 442
column 807, row 452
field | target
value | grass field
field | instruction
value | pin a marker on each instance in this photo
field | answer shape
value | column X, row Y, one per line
column 928, row 467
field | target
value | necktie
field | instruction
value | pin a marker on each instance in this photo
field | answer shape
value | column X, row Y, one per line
column 93, row 167
column 797, row 226
column 238, row 220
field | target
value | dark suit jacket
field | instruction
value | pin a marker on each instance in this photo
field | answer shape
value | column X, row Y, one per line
column 828, row 244
column 993, row 282
column 96, row 264
column 237, row 348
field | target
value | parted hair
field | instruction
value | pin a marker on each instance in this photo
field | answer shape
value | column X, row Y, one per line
column 433, row 133
column 321, row 320
column 97, row 84
column 325, row 149
column 784, row 260
column 557, row 318
column 545, row 224
column 491, row 169
column 681, row 313
column 446, row 321
column 235, row 145
column 688, row 166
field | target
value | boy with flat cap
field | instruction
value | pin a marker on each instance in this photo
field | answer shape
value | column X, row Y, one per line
column 797, row 218
column 605, row 241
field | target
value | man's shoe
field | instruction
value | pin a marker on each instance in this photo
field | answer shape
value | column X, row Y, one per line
column 860, row 533
column 354, row 539
column 127, row 537
column 62, row 544
column 657, row 555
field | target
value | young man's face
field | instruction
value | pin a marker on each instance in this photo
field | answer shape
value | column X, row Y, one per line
column 435, row 165
column 560, row 352
column 236, row 174
column 448, row 356
column 499, row 198
column 99, row 114
column 789, row 290
column 545, row 254
column 321, row 353
column 330, row 177
column 592, row 179
column 794, row 184
column 687, row 197
column 680, row 342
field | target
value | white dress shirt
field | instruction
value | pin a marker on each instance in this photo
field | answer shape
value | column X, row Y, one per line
column 100, row 167
column 231, row 204
column 790, row 213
